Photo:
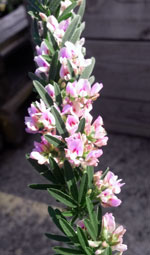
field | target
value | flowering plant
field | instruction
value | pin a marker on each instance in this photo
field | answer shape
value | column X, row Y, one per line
column 71, row 141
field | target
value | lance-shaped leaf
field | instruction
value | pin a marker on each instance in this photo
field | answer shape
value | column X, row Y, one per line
column 83, row 188
column 54, row 4
column 58, row 238
column 54, row 217
column 57, row 172
column 88, row 70
column 90, row 172
column 82, row 238
column 58, row 96
column 67, row 11
column 90, row 229
column 77, row 33
column 105, row 173
column 92, row 215
column 43, row 186
column 68, row 230
column 82, row 8
column 35, row 32
column 43, row 94
column 36, row 78
column 62, row 197
column 73, row 25
column 81, row 126
column 50, row 46
column 108, row 251
column 99, row 220
column 60, row 125
column 42, row 169
column 53, row 140
column 52, row 40
column 70, row 68
column 67, row 251
column 70, row 179
column 53, row 67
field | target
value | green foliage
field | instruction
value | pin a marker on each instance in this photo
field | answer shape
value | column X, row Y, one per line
column 73, row 25
column 66, row 14
column 56, row 142
column 42, row 93
column 60, row 125
column 81, row 126
column 82, row 9
column 54, row 67
column 58, row 96
column 88, row 70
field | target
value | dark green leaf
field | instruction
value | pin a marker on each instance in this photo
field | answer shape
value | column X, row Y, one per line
column 90, row 229
column 43, row 186
column 107, row 251
column 67, row 16
column 58, row 96
column 73, row 25
column 90, row 172
column 88, row 70
column 54, row 217
column 83, row 188
column 53, row 68
column 57, row 172
column 36, row 78
column 54, row 4
column 92, row 215
column 82, row 8
column 67, row 11
column 99, row 220
column 60, row 125
column 67, row 251
column 82, row 238
column 52, row 40
column 58, row 238
column 53, row 140
column 68, row 230
column 70, row 179
column 62, row 197
column 43, row 94
column 50, row 46
column 71, row 71
column 81, row 126
column 67, row 214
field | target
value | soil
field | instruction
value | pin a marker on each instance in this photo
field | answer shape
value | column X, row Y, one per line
column 23, row 212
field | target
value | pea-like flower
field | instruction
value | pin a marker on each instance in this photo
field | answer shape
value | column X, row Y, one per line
column 106, row 188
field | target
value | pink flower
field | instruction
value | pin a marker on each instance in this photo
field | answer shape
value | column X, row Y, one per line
column 92, row 157
column 43, row 49
column 75, row 148
column 113, row 234
column 80, row 223
column 72, row 123
column 64, row 5
column 107, row 188
column 43, row 65
column 50, row 90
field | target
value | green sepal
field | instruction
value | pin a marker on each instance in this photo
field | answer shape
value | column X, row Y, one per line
column 88, row 70
column 62, row 197
column 81, row 126
column 43, row 94
column 60, row 125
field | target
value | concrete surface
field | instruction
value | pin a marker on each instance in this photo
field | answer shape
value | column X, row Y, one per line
column 23, row 212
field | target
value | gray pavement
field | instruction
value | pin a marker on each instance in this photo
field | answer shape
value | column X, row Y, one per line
column 23, row 212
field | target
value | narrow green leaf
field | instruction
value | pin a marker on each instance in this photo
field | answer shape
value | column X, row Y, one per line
column 52, row 40
column 67, row 213
column 53, row 140
column 82, row 9
column 83, row 188
column 67, row 11
column 54, row 4
column 54, row 217
column 77, row 33
column 92, row 214
column 105, row 173
column 90, row 229
column 81, row 126
column 43, row 186
column 62, row 197
column 70, row 179
column 90, row 172
column 88, row 251
column 60, row 125
column 57, row 172
column 53, row 68
column 43, row 94
column 88, row 70
column 50, row 46
column 36, row 78
column 67, row 16
column 67, row 251
column 71, row 71
column 99, row 220
column 82, row 238
column 71, row 29
column 58, row 96
column 68, row 230
column 58, row 238
column 108, row 251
